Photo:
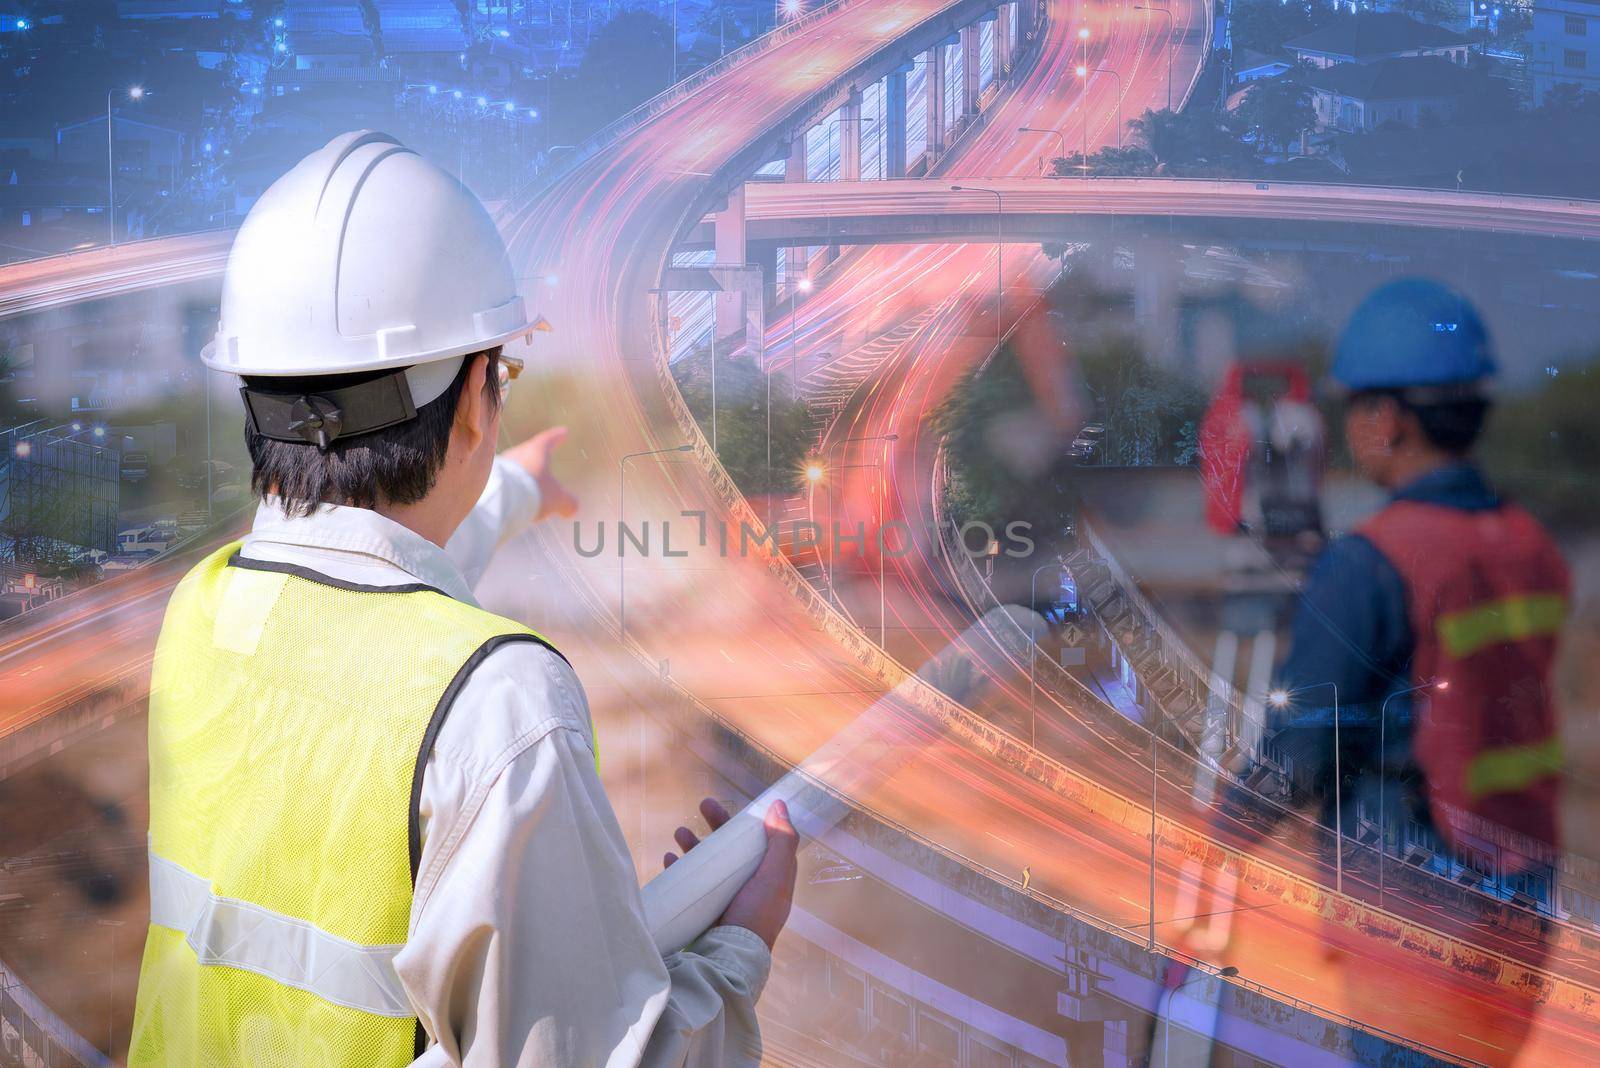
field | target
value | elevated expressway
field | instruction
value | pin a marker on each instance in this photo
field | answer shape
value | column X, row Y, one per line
column 918, row 211
column 744, row 636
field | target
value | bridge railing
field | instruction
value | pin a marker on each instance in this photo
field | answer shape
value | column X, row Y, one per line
column 675, row 94
column 31, row 1036
column 1006, row 894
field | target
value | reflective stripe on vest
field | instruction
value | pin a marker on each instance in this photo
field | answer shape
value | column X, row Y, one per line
column 1509, row 619
column 1514, row 768
column 238, row 934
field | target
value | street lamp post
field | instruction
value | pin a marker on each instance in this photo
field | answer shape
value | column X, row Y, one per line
column 1171, row 45
column 804, row 286
column 135, row 93
column 876, row 465
column 1084, row 73
column 1280, row 699
column 622, row 488
column 1166, row 1043
column 1061, row 141
column 828, row 500
column 833, row 138
column 1383, row 755
column 999, row 254
column 1033, row 648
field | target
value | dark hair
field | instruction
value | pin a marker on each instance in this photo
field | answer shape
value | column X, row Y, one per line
column 395, row 465
column 1453, row 425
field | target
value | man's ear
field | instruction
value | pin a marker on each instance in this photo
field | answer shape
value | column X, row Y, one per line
column 471, row 407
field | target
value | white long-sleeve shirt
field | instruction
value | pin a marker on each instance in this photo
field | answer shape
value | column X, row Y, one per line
column 527, row 941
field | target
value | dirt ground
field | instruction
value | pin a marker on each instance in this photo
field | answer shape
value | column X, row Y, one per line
column 73, row 895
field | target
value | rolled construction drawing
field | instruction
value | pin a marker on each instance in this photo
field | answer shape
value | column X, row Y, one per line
column 685, row 900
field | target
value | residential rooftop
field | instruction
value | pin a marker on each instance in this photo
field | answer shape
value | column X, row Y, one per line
column 1371, row 35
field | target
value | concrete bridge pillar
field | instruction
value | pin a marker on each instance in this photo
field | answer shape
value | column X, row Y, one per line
column 1002, row 40
column 971, row 40
column 934, row 88
column 730, row 252
column 794, row 168
column 849, row 121
column 1024, row 16
column 796, row 259
column 894, row 120
column 1157, row 296
column 765, row 258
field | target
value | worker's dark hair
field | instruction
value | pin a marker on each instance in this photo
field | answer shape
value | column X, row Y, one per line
column 395, row 465
column 1452, row 424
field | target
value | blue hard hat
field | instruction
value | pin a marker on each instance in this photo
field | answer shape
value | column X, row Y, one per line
column 1412, row 333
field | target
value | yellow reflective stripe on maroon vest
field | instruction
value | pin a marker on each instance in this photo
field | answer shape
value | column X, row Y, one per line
column 1513, row 768
column 1510, row 619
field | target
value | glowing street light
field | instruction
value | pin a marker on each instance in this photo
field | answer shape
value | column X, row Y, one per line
column 1437, row 686
column 1061, row 141
column 135, row 93
column 814, row 472
column 1279, row 698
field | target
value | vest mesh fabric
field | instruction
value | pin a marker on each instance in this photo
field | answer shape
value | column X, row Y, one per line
column 286, row 720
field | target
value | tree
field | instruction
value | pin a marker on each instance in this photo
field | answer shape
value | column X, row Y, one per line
column 372, row 22
column 1543, row 446
column 1437, row 12
column 1197, row 144
column 1278, row 109
column 1131, row 161
column 742, row 420
column 1264, row 25
column 1150, row 412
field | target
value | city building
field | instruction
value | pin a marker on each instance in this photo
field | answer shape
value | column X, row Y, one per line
column 1361, row 97
column 146, row 151
column 1564, row 46
column 1251, row 66
column 1371, row 36
column 59, row 493
column 178, row 9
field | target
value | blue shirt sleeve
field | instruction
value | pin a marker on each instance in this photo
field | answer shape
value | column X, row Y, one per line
column 1351, row 629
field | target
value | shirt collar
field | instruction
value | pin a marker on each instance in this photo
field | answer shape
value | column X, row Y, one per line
column 367, row 538
column 1456, row 485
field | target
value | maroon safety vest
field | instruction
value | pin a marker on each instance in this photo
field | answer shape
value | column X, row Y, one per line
column 1486, row 593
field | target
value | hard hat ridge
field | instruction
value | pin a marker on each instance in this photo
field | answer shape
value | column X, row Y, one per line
column 365, row 257
column 1414, row 334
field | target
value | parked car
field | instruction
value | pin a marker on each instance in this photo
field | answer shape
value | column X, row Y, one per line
column 1084, row 452
column 135, row 466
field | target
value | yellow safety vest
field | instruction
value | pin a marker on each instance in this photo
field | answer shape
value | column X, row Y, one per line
column 290, row 719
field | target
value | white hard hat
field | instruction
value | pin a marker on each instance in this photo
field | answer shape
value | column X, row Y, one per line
column 365, row 257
